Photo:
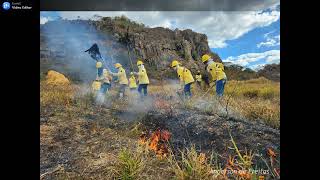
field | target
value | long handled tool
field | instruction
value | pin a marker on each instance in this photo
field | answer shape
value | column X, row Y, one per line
column 208, row 90
column 127, row 38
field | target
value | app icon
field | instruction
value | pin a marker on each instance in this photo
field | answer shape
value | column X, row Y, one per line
column 6, row 5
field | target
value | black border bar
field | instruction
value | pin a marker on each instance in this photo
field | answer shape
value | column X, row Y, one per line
column 156, row 5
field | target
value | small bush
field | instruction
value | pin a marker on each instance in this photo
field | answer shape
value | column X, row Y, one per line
column 129, row 165
column 193, row 165
column 251, row 94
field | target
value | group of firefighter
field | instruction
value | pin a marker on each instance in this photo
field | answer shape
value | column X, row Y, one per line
column 102, row 83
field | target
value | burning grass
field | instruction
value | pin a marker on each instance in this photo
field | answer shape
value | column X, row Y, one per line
column 157, row 142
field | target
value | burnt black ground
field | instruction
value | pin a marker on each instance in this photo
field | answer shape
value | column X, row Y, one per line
column 211, row 133
column 79, row 137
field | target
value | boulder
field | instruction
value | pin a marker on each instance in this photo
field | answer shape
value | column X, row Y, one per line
column 57, row 79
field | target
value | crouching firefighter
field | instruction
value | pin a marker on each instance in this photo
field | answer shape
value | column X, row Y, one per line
column 132, row 82
column 217, row 73
column 185, row 77
column 122, row 78
column 143, row 79
column 96, row 87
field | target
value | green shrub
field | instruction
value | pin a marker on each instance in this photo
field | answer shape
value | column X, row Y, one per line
column 129, row 165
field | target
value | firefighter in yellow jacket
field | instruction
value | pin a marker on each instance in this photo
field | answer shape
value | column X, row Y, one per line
column 96, row 87
column 105, row 79
column 132, row 82
column 122, row 78
column 185, row 77
column 143, row 79
column 217, row 73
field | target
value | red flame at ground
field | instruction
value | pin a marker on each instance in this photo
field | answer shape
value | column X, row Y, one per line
column 157, row 141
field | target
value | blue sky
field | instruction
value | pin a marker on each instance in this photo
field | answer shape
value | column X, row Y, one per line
column 258, row 40
column 250, row 39
column 248, row 42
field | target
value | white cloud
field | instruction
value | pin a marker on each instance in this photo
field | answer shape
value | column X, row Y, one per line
column 270, row 42
column 44, row 20
column 219, row 26
column 257, row 67
column 269, row 57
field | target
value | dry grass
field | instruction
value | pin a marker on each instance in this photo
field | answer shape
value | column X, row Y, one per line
column 258, row 109
column 254, row 99
column 52, row 95
column 254, row 88
column 193, row 165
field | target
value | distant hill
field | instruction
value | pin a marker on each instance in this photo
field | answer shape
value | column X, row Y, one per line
column 237, row 72
column 270, row 71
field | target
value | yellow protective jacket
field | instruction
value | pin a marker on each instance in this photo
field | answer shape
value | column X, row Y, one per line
column 96, row 85
column 122, row 77
column 132, row 82
column 143, row 76
column 106, row 77
column 199, row 77
column 185, row 75
column 217, row 71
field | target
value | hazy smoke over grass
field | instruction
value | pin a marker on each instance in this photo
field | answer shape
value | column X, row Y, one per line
column 67, row 40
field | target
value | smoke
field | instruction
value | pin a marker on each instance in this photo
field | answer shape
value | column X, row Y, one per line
column 68, row 39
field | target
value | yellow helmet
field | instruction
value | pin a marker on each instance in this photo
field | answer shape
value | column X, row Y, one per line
column 174, row 63
column 117, row 65
column 205, row 58
column 139, row 62
column 99, row 64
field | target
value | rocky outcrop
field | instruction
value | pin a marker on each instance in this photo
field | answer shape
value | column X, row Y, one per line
column 154, row 43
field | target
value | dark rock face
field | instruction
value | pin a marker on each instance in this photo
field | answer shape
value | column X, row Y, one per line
column 271, row 71
column 153, row 43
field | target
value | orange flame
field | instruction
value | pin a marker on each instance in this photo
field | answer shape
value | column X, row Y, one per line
column 157, row 142
column 155, row 137
column 271, row 153
column 143, row 139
